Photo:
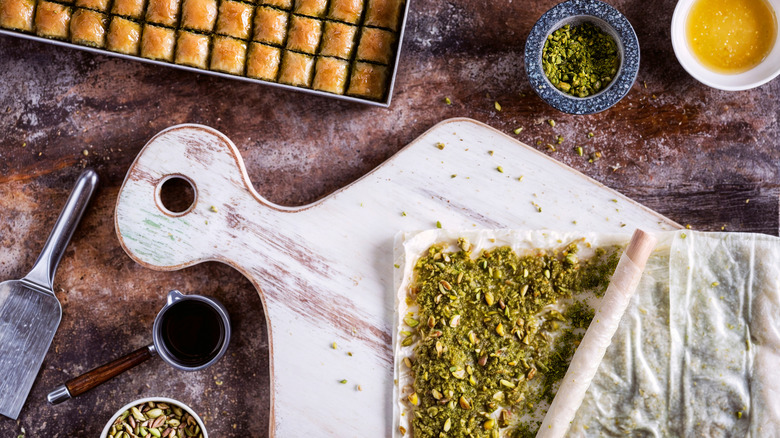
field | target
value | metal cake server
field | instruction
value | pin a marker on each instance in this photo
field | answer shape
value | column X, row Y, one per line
column 30, row 312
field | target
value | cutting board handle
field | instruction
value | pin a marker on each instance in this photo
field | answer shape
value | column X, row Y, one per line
column 224, row 201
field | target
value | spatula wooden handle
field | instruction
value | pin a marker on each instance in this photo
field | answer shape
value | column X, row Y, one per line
column 99, row 375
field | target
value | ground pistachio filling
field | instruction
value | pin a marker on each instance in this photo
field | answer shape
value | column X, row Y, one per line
column 494, row 335
column 580, row 60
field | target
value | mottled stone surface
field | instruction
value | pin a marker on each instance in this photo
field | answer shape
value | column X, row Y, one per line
column 690, row 152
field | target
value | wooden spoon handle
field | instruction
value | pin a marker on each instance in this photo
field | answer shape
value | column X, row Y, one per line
column 99, row 375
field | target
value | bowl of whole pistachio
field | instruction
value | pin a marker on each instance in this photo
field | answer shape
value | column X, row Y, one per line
column 582, row 56
column 155, row 417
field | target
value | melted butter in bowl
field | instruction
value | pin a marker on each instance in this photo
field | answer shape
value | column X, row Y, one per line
column 728, row 44
column 731, row 36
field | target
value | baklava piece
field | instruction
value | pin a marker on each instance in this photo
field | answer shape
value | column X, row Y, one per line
column 330, row 75
column 157, row 43
column 97, row 5
column 384, row 13
column 129, row 8
column 304, row 34
column 270, row 25
column 228, row 55
column 192, row 49
column 234, row 19
column 281, row 4
column 163, row 12
column 311, row 8
column 296, row 69
column 346, row 10
column 263, row 62
column 368, row 80
column 375, row 45
column 17, row 14
column 124, row 36
column 338, row 40
column 88, row 28
column 52, row 20
column 200, row 15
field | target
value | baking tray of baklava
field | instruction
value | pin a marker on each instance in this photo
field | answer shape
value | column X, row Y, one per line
column 347, row 49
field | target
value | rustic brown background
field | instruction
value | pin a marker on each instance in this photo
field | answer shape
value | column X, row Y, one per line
column 690, row 152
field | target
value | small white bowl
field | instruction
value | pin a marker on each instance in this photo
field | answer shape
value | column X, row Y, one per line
column 759, row 75
column 169, row 401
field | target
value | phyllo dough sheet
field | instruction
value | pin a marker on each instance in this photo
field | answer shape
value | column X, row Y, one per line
column 409, row 247
column 698, row 350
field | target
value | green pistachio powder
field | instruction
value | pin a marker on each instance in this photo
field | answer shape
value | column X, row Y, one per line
column 487, row 338
column 580, row 60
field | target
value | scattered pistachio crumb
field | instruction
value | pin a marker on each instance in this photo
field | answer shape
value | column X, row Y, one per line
column 614, row 200
column 688, row 226
column 24, row 145
column 520, row 178
column 440, row 145
column 453, row 175
column 500, row 169
column 359, row 388
column 683, row 235
column 491, row 153
column 334, row 346
column 403, row 213
column 85, row 152
column 518, row 130
column 747, row 200
column 497, row 106
column 739, row 414
column 551, row 147
column 213, row 208
column 438, row 224
column 349, row 353
column 560, row 139
column 715, row 284
column 218, row 382
column 551, row 122
column 579, row 150
column 343, row 381
column 590, row 135
column 397, row 266
column 447, row 101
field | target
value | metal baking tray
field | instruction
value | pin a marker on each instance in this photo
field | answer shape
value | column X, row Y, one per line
column 383, row 104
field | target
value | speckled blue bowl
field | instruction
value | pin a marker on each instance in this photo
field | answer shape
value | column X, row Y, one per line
column 574, row 12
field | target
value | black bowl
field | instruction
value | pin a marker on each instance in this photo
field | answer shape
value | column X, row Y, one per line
column 608, row 19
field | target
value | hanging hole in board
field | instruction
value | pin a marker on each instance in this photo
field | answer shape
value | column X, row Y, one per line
column 176, row 195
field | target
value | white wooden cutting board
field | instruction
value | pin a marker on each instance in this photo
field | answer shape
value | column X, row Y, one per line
column 325, row 271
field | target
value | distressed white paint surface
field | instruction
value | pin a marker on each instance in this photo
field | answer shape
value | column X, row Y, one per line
column 325, row 271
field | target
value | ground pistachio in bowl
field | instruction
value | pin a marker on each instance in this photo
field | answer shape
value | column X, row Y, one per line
column 155, row 418
column 580, row 60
